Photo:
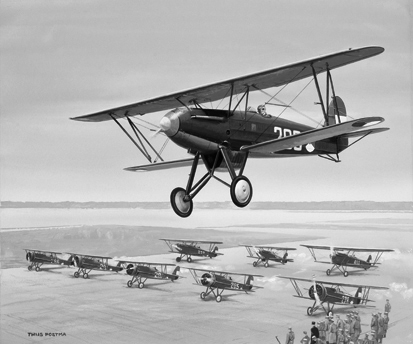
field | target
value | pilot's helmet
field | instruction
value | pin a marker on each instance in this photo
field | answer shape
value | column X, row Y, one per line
column 261, row 107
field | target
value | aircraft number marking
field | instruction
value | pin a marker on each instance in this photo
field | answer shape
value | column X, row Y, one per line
column 158, row 274
column 284, row 132
column 345, row 299
column 235, row 285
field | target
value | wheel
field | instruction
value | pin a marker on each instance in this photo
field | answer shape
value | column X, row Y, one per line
column 241, row 191
column 85, row 275
column 37, row 269
column 219, row 298
column 254, row 264
column 310, row 311
column 328, row 272
column 178, row 259
column 203, row 295
column 76, row 274
column 140, row 285
column 189, row 259
column 181, row 208
column 345, row 273
column 330, row 314
column 29, row 268
column 129, row 284
column 266, row 264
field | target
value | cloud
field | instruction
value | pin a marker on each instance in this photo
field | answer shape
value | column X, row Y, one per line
column 402, row 289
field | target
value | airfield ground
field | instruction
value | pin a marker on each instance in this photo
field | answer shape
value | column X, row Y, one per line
column 54, row 307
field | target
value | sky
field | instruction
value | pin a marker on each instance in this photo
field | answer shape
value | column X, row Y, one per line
column 64, row 59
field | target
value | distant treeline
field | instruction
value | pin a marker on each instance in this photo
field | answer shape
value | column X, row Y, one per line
column 344, row 205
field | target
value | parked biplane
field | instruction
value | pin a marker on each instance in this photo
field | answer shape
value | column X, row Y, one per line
column 334, row 294
column 224, row 139
column 86, row 263
column 141, row 271
column 188, row 248
column 343, row 257
column 218, row 281
column 39, row 257
column 264, row 254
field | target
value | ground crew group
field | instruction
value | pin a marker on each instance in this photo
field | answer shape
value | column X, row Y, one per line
column 345, row 331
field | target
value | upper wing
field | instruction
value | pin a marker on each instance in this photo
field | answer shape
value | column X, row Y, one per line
column 346, row 248
column 261, row 80
column 222, row 272
column 333, row 283
column 311, row 136
column 88, row 255
column 31, row 250
column 144, row 263
column 193, row 241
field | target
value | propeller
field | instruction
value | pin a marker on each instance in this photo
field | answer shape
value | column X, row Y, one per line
column 316, row 297
column 206, row 279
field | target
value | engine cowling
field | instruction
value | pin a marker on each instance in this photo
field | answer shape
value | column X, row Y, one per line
column 129, row 269
column 29, row 256
column 321, row 291
column 77, row 261
column 207, row 279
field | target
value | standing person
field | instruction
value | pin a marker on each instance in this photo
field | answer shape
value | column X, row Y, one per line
column 386, row 323
column 357, row 326
column 332, row 332
column 340, row 323
column 314, row 333
column 340, row 336
column 322, row 331
column 306, row 339
column 290, row 336
column 327, row 327
column 373, row 338
column 374, row 326
column 380, row 331
column 387, row 306
column 347, row 337
column 352, row 323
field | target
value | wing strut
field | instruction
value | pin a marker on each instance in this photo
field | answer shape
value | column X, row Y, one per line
column 138, row 135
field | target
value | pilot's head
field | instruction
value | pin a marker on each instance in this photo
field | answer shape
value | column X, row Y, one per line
column 262, row 110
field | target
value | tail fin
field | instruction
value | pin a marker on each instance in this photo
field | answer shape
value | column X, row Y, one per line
column 369, row 258
column 284, row 261
column 334, row 117
column 250, row 280
column 175, row 273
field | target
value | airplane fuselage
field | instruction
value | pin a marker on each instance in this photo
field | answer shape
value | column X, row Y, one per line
column 343, row 259
column 204, row 130
column 191, row 250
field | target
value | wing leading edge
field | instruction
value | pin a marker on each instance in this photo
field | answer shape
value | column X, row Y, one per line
column 265, row 79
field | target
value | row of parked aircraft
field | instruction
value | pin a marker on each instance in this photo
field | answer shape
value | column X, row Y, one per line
column 216, row 282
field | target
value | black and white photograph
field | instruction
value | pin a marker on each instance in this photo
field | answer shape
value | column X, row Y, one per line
column 230, row 171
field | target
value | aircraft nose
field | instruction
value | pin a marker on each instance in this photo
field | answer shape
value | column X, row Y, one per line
column 170, row 122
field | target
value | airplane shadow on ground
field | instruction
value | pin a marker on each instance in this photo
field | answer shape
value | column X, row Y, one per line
column 155, row 286
column 226, row 297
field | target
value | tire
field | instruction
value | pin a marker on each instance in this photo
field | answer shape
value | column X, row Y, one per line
column 30, row 268
column 85, row 275
column 178, row 259
column 328, row 272
column 202, row 295
column 129, row 284
column 218, row 298
column 241, row 191
column 37, row 269
column 345, row 273
column 189, row 260
column 181, row 208
column 266, row 264
column 310, row 311
column 254, row 264
column 76, row 274
column 140, row 285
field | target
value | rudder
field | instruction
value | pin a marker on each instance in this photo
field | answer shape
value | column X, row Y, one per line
column 334, row 117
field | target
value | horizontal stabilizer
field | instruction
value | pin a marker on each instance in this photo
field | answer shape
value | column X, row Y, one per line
column 364, row 132
column 312, row 136
column 161, row 165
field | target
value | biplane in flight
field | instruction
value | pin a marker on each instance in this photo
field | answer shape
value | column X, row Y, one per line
column 223, row 139
column 141, row 271
column 343, row 257
column 38, row 257
column 86, row 263
column 333, row 294
column 265, row 254
column 188, row 248
column 218, row 281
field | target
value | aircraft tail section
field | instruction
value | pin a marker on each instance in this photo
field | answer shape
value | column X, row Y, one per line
column 250, row 280
column 336, row 111
column 175, row 273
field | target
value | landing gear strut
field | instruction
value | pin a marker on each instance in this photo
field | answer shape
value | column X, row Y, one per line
column 240, row 187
